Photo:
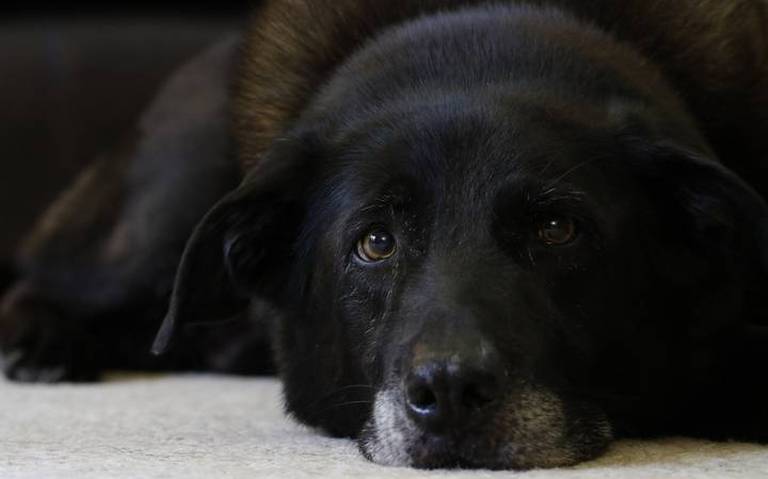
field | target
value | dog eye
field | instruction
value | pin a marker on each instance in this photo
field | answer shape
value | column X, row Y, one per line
column 557, row 230
column 376, row 245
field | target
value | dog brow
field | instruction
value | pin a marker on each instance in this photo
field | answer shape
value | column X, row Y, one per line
column 551, row 194
column 575, row 168
column 393, row 196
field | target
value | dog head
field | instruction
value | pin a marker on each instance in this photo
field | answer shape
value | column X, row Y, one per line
column 496, row 276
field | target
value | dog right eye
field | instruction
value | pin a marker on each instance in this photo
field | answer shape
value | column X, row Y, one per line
column 557, row 231
column 376, row 245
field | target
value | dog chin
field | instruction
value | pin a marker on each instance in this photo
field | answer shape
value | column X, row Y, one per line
column 530, row 430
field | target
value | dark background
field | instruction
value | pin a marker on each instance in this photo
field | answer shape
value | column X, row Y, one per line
column 73, row 79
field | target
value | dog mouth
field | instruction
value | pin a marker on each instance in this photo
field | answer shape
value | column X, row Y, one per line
column 445, row 452
column 531, row 428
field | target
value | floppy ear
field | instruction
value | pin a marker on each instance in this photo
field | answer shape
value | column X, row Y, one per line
column 717, row 199
column 242, row 246
column 721, row 215
column 732, row 329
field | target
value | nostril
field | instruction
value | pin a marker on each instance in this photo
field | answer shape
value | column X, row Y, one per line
column 421, row 399
column 478, row 395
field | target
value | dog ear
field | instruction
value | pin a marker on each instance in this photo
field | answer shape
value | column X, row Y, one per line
column 715, row 214
column 243, row 245
column 716, row 200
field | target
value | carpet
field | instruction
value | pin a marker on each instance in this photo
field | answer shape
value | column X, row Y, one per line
column 200, row 426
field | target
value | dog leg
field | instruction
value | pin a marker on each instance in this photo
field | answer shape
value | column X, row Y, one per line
column 96, row 273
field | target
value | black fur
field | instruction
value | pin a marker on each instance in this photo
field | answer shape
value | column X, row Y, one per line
column 459, row 128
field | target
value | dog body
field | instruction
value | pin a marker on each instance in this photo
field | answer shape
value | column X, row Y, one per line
column 477, row 235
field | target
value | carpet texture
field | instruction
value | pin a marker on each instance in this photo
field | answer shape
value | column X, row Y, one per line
column 220, row 427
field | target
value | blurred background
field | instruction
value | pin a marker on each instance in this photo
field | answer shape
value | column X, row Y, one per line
column 73, row 78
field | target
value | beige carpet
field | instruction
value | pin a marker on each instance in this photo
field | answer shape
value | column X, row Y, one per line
column 219, row 427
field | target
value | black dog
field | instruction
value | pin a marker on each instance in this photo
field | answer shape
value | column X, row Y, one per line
column 474, row 235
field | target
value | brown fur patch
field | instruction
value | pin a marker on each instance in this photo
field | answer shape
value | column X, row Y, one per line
column 715, row 53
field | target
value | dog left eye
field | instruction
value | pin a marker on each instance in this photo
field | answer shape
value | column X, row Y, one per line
column 556, row 231
column 376, row 245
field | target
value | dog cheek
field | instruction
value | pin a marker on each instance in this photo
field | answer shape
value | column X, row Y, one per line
column 384, row 437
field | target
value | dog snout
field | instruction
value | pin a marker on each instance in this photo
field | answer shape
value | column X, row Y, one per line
column 446, row 393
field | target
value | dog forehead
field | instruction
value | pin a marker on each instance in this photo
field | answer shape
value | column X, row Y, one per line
column 465, row 157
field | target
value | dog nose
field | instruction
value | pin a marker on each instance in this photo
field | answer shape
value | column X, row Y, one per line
column 445, row 394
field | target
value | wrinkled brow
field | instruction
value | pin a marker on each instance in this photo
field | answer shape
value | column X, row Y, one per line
column 539, row 194
column 397, row 194
column 548, row 195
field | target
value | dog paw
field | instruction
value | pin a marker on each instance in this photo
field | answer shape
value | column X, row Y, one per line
column 18, row 367
column 37, row 344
